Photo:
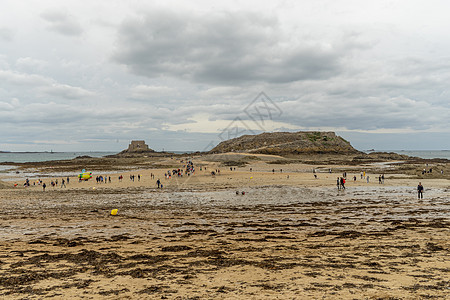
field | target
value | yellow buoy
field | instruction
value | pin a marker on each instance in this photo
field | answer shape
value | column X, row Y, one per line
column 93, row 188
column 251, row 177
column 114, row 212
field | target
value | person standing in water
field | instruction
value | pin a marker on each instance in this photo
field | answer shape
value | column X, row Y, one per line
column 420, row 191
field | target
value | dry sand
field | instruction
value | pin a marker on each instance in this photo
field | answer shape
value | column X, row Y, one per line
column 286, row 238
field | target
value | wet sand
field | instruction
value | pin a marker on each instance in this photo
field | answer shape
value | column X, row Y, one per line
column 296, row 238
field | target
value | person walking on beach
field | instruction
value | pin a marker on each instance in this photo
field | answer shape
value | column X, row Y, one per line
column 338, row 183
column 367, row 178
column 420, row 191
column 158, row 182
column 63, row 183
column 44, row 186
column 343, row 183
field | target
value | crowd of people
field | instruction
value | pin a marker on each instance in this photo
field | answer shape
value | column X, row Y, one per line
column 188, row 169
column 65, row 181
column 341, row 180
column 101, row 179
column 53, row 183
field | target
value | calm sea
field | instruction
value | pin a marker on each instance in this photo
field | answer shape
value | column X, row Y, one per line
column 20, row 157
column 423, row 153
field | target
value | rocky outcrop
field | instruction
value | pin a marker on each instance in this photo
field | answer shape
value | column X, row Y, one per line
column 287, row 143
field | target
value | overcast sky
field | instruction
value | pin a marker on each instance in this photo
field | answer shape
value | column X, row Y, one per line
column 93, row 75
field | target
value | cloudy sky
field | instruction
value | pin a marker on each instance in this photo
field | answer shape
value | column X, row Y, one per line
column 93, row 75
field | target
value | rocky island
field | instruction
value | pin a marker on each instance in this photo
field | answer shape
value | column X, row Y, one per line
column 288, row 143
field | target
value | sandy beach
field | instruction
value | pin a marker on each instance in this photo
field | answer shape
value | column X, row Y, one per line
column 289, row 236
column 238, row 150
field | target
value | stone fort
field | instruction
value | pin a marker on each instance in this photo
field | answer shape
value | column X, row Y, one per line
column 138, row 146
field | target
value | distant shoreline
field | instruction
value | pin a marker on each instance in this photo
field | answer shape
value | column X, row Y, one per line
column 36, row 156
column 53, row 152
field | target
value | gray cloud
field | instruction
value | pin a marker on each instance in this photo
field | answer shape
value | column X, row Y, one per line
column 4, row 106
column 223, row 48
column 30, row 64
column 23, row 79
column 157, row 70
column 365, row 113
column 65, row 117
column 41, row 85
column 66, row 92
column 6, row 34
column 147, row 92
column 62, row 23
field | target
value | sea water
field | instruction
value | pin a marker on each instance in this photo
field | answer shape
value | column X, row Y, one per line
column 427, row 154
column 21, row 157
